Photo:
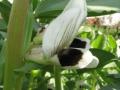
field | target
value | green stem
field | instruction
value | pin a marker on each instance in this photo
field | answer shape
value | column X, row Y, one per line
column 94, row 74
column 14, row 45
column 57, row 72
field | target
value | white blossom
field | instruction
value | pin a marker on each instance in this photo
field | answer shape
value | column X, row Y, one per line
column 62, row 30
column 60, row 47
column 88, row 60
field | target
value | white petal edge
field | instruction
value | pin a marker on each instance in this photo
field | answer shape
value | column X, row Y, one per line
column 88, row 61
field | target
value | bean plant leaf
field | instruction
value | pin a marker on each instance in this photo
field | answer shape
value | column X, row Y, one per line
column 51, row 8
column 3, row 25
column 101, row 7
column 28, row 28
column 112, row 43
column 2, row 61
column 5, row 8
column 98, row 42
column 114, row 84
column 34, row 2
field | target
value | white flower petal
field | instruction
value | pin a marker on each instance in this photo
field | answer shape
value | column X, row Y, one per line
column 76, row 3
column 94, row 63
column 88, row 60
column 63, row 29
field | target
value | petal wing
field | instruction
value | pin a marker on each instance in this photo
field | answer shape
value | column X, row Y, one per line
column 61, row 31
column 88, row 60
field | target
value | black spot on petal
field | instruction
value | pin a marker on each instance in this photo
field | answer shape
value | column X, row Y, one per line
column 77, row 43
column 69, row 57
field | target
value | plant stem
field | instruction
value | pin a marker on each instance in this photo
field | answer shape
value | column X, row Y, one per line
column 14, row 45
column 57, row 73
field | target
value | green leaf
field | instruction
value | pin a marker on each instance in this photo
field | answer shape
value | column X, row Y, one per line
column 98, row 42
column 51, row 8
column 3, row 25
column 113, row 84
column 28, row 28
column 110, row 87
column 34, row 2
column 2, row 37
column 5, row 8
column 70, row 85
column 112, row 43
column 114, row 76
column 2, row 61
column 101, row 7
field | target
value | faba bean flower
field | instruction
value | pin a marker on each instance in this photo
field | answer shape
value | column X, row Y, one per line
column 76, row 56
column 60, row 47
column 62, row 30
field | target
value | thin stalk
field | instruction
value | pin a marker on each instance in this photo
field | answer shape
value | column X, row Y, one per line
column 15, row 44
column 57, row 73
column 94, row 76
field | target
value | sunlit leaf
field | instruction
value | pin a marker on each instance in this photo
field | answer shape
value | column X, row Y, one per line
column 112, row 42
column 98, row 42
